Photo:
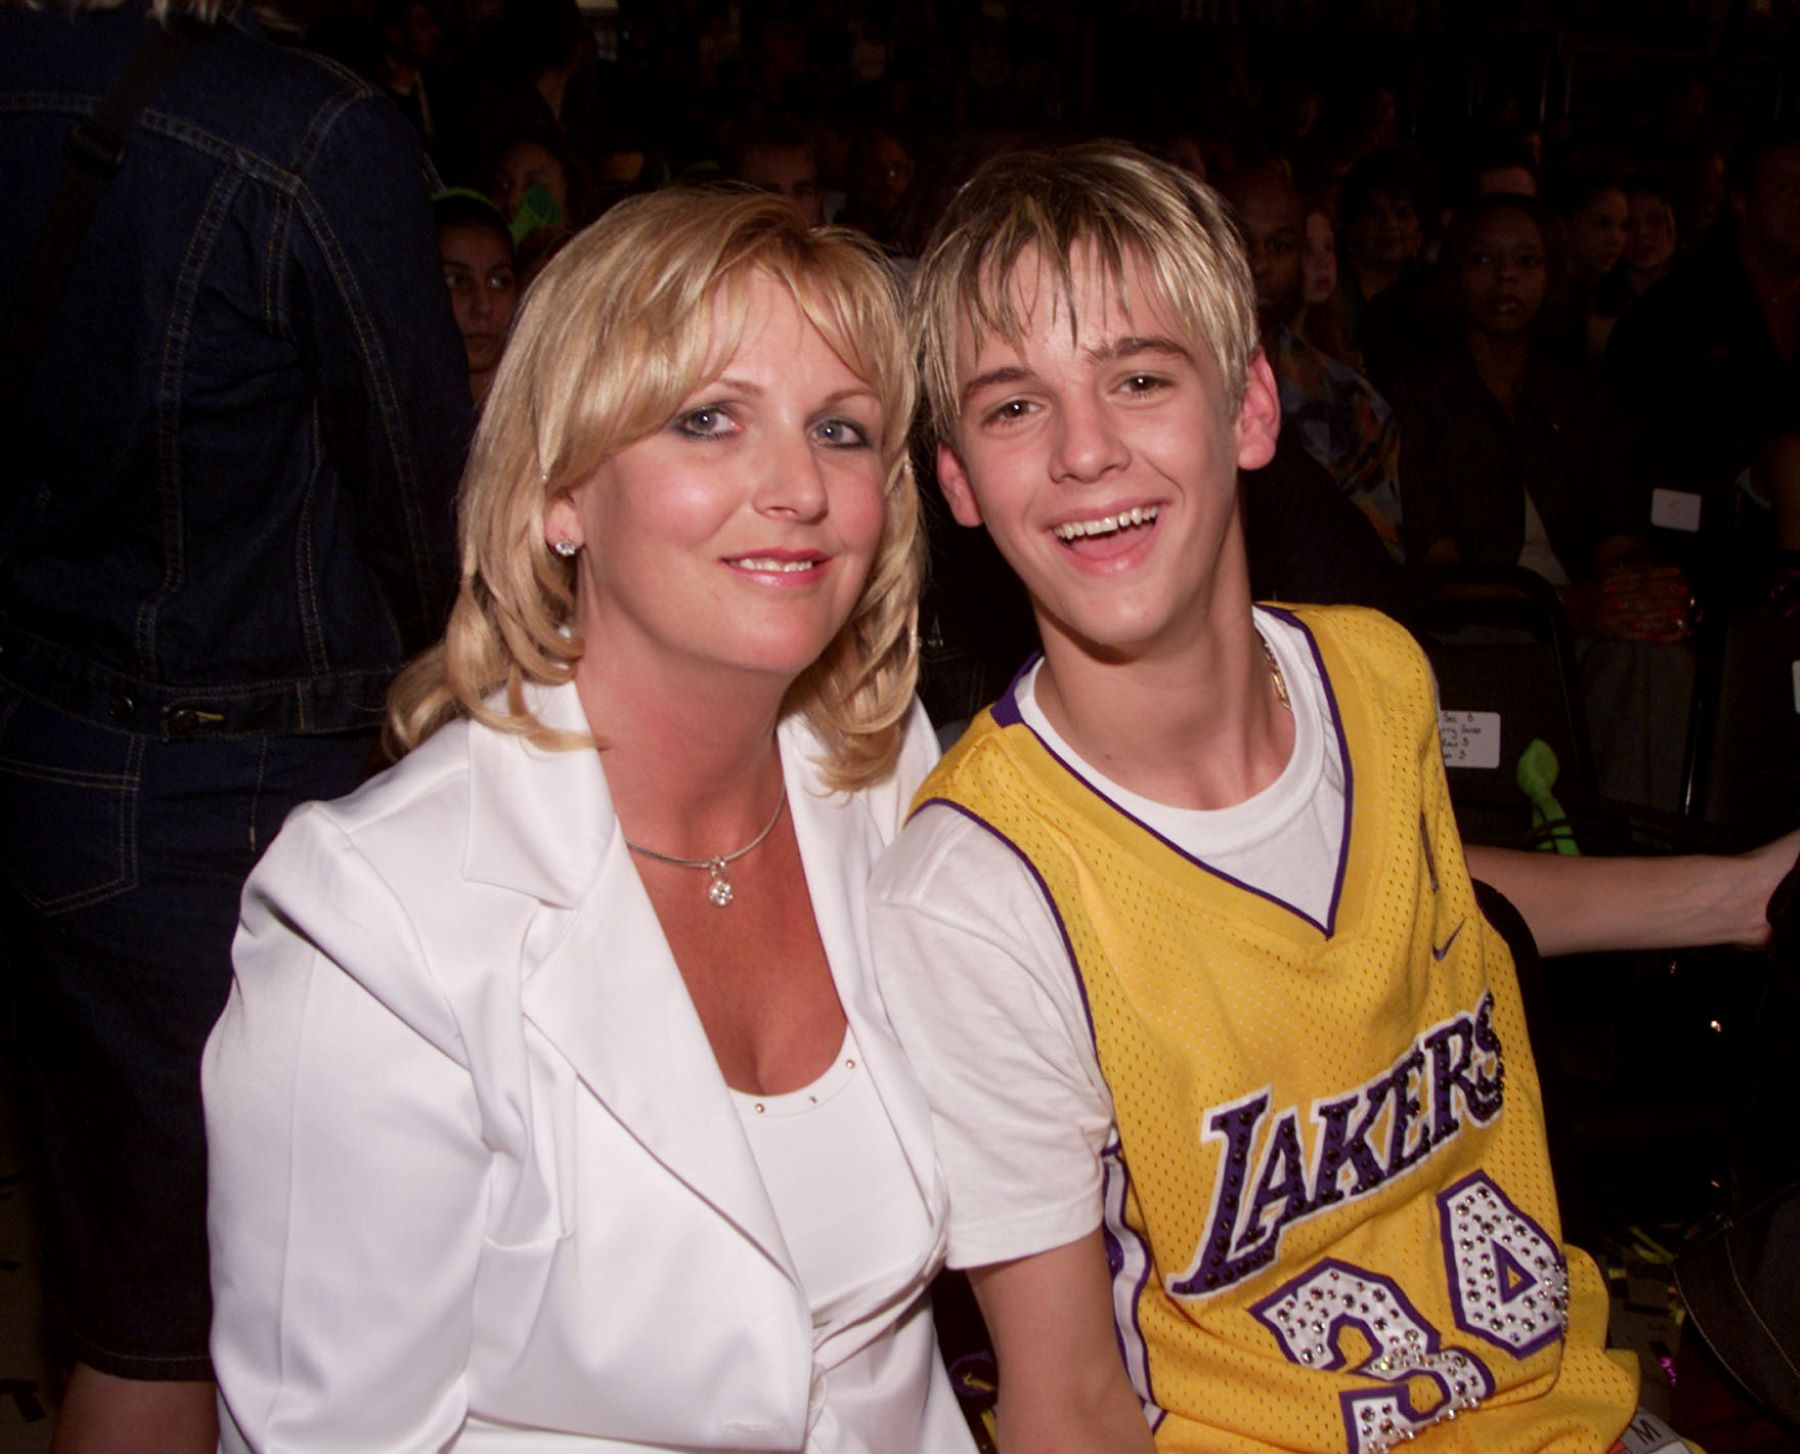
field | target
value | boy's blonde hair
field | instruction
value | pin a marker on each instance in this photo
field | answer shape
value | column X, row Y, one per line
column 1102, row 195
column 625, row 323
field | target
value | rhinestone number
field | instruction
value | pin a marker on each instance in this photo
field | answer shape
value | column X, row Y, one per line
column 1509, row 1282
column 1508, row 1285
column 1309, row 1317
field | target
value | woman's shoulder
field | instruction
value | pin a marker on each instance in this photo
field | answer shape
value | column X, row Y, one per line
column 404, row 827
column 413, row 794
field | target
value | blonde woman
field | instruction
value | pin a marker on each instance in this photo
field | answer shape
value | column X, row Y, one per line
column 552, row 1107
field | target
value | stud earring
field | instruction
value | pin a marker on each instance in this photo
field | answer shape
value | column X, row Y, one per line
column 565, row 547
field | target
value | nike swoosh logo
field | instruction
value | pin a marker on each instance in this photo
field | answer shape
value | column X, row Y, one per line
column 1439, row 953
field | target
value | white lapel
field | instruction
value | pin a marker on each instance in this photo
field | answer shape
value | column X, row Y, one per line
column 609, row 996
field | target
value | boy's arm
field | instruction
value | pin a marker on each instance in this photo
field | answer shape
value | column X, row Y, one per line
column 1582, row 905
column 976, row 979
column 1062, row 1386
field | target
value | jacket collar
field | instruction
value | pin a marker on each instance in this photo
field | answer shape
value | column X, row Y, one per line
column 609, row 995
column 540, row 820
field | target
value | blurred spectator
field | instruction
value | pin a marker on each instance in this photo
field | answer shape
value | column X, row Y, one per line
column 1707, row 361
column 552, row 83
column 1334, row 411
column 535, row 182
column 880, row 175
column 1318, row 262
column 1181, row 149
column 1500, row 163
column 1381, row 240
column 1512, row 458
column 1649, row 235
column 410, row 42
column 531, row 161
column 228, row 521
column 1381, row 233
column 778, row 156
column 1324, row 317
column 1597, row 215
column 1700, row 192
column 477, row 249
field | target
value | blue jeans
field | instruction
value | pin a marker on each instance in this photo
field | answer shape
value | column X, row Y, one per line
column 121, row 860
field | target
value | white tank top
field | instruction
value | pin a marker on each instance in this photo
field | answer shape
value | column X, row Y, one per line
column 851, row 1213
column 842, row 1191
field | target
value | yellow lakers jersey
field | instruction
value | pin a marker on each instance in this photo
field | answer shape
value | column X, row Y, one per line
column 1328, row 1204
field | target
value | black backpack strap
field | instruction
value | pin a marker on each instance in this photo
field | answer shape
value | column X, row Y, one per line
column 91, row 158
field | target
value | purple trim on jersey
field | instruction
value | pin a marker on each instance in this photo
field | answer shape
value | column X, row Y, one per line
column 1134, row 1352
column 1006, row 713
column 1006, row 710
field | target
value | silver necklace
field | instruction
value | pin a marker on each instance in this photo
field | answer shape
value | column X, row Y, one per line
column 719, row 891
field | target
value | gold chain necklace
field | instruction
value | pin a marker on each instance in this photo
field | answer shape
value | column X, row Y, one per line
column 1281, row 691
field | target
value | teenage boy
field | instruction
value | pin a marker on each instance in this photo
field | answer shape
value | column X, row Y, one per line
column 1229, row 1071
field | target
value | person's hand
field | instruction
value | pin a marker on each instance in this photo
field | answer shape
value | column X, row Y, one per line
column 1757, row 875
column 1636, row 601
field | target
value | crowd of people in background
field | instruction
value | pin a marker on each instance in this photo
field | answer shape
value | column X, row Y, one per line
column 1465, row 283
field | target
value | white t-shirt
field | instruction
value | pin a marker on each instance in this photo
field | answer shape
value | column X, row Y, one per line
column 978, row 981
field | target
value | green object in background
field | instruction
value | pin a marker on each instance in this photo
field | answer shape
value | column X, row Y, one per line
column 1536, row 776
column 537, row 209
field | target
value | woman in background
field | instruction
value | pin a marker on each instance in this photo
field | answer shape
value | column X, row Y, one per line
column 553, row 1107
column 1510, row 457
column 483, row 279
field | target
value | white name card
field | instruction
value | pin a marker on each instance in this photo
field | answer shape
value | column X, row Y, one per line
column 1472, row 739
column 1675, row 510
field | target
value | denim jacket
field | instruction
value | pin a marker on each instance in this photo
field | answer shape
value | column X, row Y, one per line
column 227, row 498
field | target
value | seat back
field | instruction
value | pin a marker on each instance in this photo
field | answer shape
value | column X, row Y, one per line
column 1499, row 642
column 1745, row 773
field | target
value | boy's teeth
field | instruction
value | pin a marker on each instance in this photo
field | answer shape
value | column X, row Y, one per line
column 752, row 562
column 1106, row 524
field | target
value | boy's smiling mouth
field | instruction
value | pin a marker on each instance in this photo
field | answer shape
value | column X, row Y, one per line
column 1073, row 530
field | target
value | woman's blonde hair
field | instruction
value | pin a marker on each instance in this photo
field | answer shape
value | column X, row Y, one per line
column 1103, row 195
column 626, row 322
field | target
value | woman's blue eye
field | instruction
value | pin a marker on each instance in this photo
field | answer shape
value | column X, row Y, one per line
column 842, row 434
column 703, row 423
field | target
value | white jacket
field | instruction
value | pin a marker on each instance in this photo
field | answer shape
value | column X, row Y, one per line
column 476, row 1180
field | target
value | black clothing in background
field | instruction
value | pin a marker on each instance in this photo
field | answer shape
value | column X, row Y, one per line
column 228, row 519
column 1309, row 544
column 1703, row 384
column 1465, row 467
